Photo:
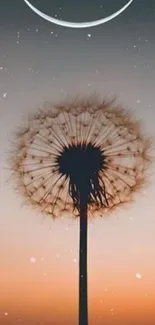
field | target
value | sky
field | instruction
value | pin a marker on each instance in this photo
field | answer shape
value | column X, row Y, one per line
column 41, row 61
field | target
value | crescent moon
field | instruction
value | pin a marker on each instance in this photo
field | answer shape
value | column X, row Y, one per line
column 74, row 24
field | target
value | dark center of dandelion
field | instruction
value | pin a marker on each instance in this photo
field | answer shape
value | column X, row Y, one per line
column 82, row 163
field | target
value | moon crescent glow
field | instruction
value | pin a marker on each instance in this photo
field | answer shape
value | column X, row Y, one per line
column 74, row 24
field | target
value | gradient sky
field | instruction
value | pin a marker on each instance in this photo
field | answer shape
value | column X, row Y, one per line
column 39, row 258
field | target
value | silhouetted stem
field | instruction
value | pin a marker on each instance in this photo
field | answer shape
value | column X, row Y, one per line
column 83, row 299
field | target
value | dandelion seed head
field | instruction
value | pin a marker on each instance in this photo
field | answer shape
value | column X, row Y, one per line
column 80, row 147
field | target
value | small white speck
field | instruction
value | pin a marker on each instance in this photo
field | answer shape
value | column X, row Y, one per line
column 74, row 260
column 88, row 37
column 138, row 101
column 6, row 313
column 138, row 276
column 33, row 260
column 4, row 95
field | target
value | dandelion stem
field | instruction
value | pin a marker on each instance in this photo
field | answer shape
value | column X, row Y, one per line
column 83, row 299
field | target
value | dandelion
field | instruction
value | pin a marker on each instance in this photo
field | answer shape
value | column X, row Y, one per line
column 85, row 158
